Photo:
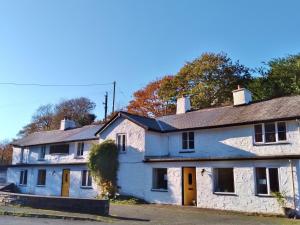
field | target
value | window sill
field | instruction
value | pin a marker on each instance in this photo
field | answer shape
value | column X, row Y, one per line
column 78, row 157
column 23, row 185
column 187, row 151
column 122, row 152
column 225, row 193
column 86, row 187
column 41, row 160
column 40, row 185
column 62, row 154
column 272, row 143
column 159, row 190
column 265, row 195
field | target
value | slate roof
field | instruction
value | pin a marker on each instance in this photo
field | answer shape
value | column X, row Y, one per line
column 59, row 136
column 283, row 108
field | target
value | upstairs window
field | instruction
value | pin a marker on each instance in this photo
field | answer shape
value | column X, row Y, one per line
column 224, row 180
column 86, row 178
column 59, row 149
column 270, row 132
column 267, row 180
column 41, row 178
column 121, row 142
column 80, row 148
column 23, row 177
column 188, row 140
column 42, row 152
column 160, row 179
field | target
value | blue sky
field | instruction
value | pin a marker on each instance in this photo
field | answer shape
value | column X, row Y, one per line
column 130, row 41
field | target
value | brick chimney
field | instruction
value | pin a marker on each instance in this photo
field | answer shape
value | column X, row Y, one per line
column 67, row 124
column 183, row 105
column 241, row 96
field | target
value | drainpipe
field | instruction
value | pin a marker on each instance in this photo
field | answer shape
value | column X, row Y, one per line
column 293, row 183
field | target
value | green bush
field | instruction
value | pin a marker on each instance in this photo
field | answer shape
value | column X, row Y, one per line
column 103, row 163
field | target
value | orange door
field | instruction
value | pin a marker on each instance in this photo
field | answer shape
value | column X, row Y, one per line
column 65, row 183
column 189, row 186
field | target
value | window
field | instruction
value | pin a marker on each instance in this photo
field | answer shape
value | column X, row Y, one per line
column 86, row 178
column 188, row 140
column 224, row 180
column 160, row 179
column 41, row 178
column 42, row 152
column 80, row 147
column 267, row 180
column 23, row 177
column 59, row 149
column 121, row 142
column 270, row 132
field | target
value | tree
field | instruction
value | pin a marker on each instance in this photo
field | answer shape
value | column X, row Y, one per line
column 148, row 103
column 209, row 80
column 103, row 163
column 48, row 117
column 280, row 77
column 5, row 152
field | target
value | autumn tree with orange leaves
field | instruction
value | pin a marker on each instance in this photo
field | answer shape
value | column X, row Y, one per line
column 147, row 102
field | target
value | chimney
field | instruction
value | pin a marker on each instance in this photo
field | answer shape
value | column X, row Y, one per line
column 241, row 96
column 66, row 124
column 183, row 105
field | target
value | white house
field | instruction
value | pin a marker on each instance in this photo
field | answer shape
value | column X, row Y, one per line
column 229, row 158
column 54, row 162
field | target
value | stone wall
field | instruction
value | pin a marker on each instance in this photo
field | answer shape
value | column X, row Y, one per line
column 90, row 206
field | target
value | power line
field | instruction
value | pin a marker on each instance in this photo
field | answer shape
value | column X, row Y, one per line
column 55, row 85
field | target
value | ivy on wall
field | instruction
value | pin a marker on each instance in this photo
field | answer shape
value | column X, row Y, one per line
column 103, row 163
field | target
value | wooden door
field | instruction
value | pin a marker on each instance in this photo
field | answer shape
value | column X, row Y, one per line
column 189, row 186
column 65, row 183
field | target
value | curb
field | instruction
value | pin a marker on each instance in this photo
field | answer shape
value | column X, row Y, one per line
column 37, row 215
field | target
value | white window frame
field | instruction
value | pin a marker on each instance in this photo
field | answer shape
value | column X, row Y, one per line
column 214, row 181
column 81, row 150
column 88, row 172
column 43, row 148
column 264, row 133
column 37, row 178
column 188, row 141
column 125, row 144
column 268, row 179
column 22, row 181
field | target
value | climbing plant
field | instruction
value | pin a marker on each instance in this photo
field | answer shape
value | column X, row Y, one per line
column 103, row 163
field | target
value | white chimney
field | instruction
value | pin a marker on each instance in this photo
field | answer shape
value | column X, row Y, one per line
column 183, row 105
column 241, row 96
column 66, row 124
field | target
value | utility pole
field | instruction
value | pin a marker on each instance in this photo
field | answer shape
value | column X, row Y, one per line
column 114, row 97
column 105, row 106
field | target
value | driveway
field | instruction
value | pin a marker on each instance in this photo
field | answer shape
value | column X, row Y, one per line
column 158, row 215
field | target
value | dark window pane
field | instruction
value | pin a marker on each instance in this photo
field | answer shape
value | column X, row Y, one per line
column 270, row 132
column 261, row 181
column 160, row 179
column 281, row 126
column 123, row 143
column 274, row 182
column 21, row 177
column 25, row 177
column 59, row 149
column 119, row 142
column 191, row 140
column 83, row 178
column 89, row 179
column 41, row 177
column 224, row 180
column 190, row 179
column 258, row 133
column 184, row 140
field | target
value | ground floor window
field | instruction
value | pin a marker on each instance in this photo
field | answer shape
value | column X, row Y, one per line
column 41, row 178
column 224, row 180
column 86, row 178
column 23, row 177
column 267, row 180
column 160, row 179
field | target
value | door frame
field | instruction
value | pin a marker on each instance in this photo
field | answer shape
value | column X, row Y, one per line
column 62, row 181
column 182, row 183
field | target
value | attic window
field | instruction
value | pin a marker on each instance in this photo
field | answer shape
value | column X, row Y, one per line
column 59, row 149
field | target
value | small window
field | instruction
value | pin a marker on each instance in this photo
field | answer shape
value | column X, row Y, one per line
column 59, row 149
column 188, row 140
column 42, row 152
column 267, row 180
column 121, row 142
column 41, row 179
column 258, row 133
column 270, row 132
column 86, row 178
column 23, row 177
column 224, row 180
column 281, row 127
column 160, row 179
column 80, row 148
